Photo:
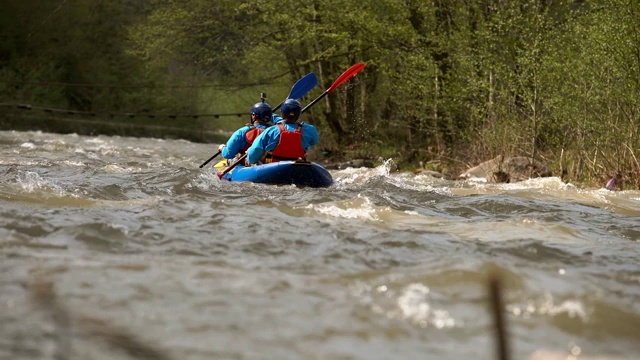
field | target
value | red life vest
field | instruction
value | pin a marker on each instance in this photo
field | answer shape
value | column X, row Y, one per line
column 289, row 147
column 251, row 136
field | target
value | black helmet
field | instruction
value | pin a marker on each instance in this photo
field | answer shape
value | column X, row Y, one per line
column 262, row 111
column 291, row 109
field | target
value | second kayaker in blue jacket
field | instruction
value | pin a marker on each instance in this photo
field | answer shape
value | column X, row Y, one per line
column 261, row 117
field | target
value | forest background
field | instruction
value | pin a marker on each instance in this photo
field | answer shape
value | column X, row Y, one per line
column 447, row 83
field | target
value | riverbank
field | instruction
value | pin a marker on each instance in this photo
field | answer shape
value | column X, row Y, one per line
column 200, row 131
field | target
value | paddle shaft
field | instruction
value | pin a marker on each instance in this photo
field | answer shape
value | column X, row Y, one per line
column 209, row 159
column 314, row 101
column 351, row 72
column 348, row 74
column 279, row 105
column 300, row 88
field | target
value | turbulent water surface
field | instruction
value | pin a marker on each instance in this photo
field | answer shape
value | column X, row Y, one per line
column 110, row 247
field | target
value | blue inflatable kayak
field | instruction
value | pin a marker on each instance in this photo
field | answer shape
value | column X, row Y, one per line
column 300, row 173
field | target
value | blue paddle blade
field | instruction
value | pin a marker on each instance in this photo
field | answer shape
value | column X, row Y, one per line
column 303, row 86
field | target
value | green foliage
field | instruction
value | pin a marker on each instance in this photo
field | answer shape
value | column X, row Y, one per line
column 71, row 55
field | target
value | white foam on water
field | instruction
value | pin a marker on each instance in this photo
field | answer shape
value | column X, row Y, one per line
column 477, row 180
column 358, row 208
column 351, row 176
column 206, row 181
column 74, row 163
column 413, row 302
column 31, row 181
column 427, row 183
column 141, row 152
column 410, row 304
column 117, row 169
column 360, row 175
column 94, row 140
column 548, row 307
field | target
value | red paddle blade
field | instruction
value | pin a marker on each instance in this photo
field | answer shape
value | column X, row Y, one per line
column 348, row 74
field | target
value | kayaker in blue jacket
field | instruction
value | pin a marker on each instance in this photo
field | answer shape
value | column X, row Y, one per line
column 287, row 140
column 261, row 118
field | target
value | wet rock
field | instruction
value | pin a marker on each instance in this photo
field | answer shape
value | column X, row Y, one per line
column 500, row 177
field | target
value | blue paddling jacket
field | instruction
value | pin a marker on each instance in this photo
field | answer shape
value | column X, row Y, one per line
column 270, row 138
column 237, row 143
